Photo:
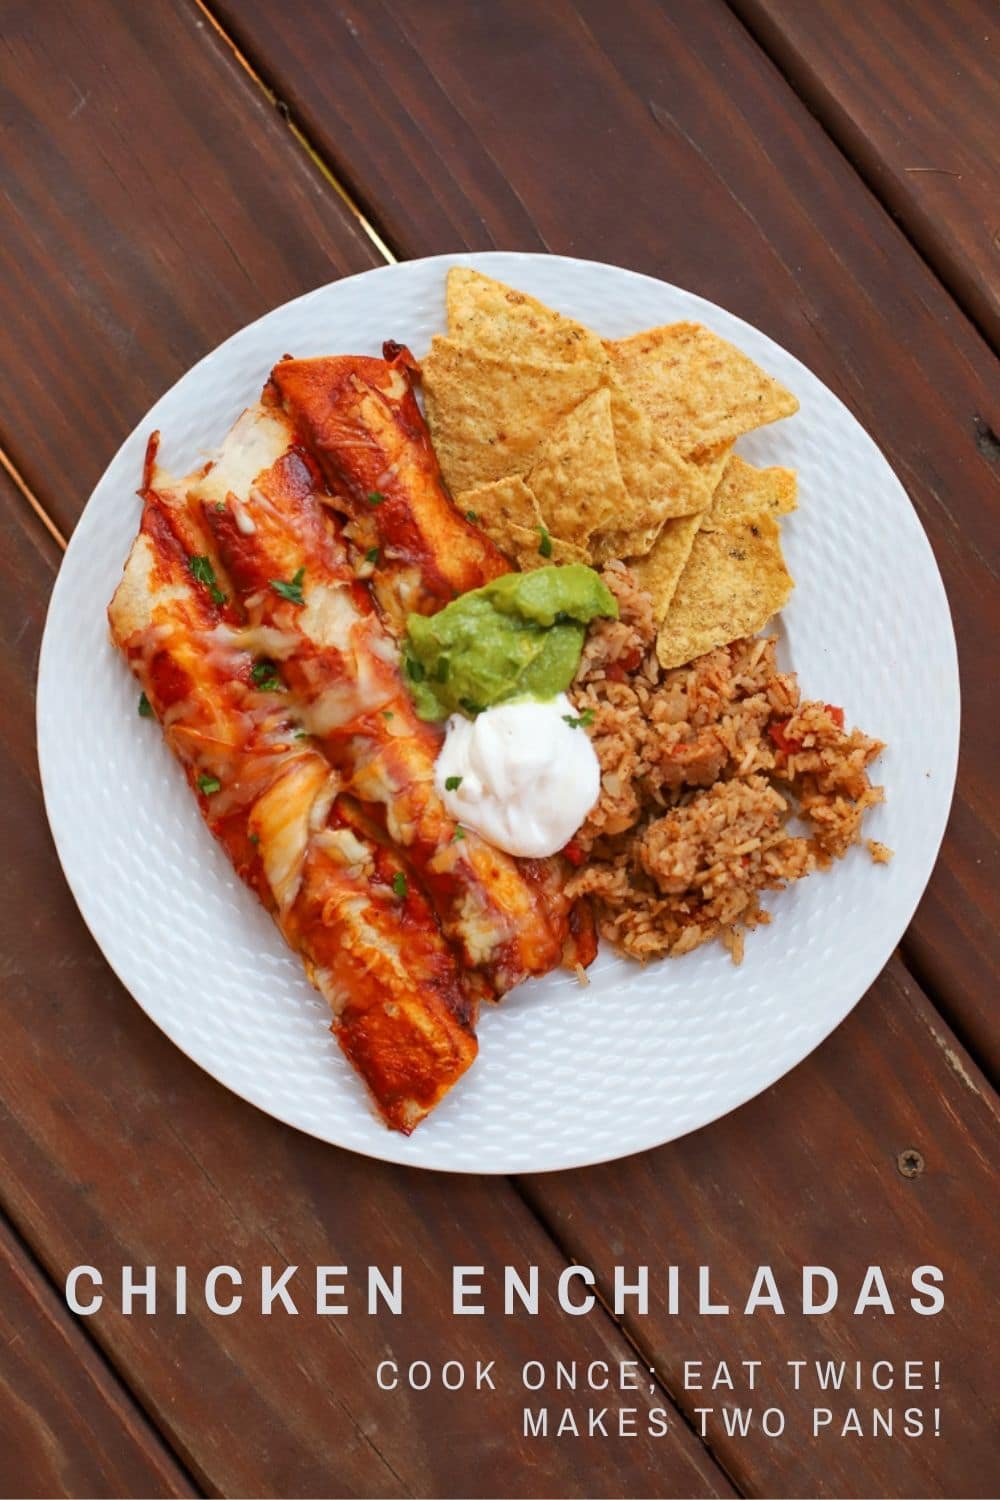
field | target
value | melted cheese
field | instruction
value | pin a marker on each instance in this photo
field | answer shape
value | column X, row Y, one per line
column 255, row 443
column 282, row 819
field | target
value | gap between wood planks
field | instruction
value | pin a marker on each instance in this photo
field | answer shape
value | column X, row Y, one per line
column 985, row 438
column 299, row 135
column 105, row 1353
column 644, row 1354
column 81, row 1325
column 255, row 68
column 35, row 504
column 864, row 175
column 383, row 248
column 28, row 494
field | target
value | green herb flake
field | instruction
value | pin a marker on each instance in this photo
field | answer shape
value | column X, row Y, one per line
column 544, row 542
column 587, row 717
column 203, row 572
column 145, row 707
column 442, row 669
column 415, row 669
column 255, row 839
column 290, row 591
column 387, row 713
column 472, row 709
column 459, row 834
column 301, row 734
column 371, row 555
column 265, row 678
column 399, row 885
column 375, row 497
column 452, row 783
column 220, row 506
column 209, row 785
column 470, row 515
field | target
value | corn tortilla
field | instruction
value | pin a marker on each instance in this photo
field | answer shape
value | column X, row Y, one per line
column 734, row 580
column 498, row 506
column 575, row 478
column 746, row 491
column 488, row 415
column 498, row 319
column 658, row 572
column 697, row 388
column 536, row 549
column 660, row 483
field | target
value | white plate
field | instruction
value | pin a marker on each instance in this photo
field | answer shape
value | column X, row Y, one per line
column 565, row 1076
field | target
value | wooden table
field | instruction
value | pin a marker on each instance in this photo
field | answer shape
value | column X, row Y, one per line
column 170, row 171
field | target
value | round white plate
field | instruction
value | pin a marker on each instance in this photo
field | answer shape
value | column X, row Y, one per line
column 566, row 1076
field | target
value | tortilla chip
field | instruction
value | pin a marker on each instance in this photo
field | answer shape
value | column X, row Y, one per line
column 498, row 319
column 746, row 491
column 575, row 477
column 698, row 389
column 712, row 464
column 488, row 415
column 624, row 542
column 660, row 483
column 734, row 581
column 498, row 506
column 658, row 572
column 531, row 549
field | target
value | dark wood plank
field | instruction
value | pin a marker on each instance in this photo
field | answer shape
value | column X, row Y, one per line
column 152, row 203
column 68, row 1426
column 235, row 1179
column 116, row 1150
column 911, row 94
column 809, row 1174
column 470, row 139
column 659, row 136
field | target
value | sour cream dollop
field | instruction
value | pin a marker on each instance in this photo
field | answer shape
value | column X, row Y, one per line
column 520, row 775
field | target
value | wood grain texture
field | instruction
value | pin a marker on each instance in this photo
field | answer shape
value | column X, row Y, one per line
column 911, row 93
column 660, row 137
column 152, row 203
column 68, row 1426
column 809, row 1174
column 116, row 1150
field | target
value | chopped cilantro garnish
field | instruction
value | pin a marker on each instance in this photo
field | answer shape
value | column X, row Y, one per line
column 544, row 542
column 209, row 784
column 264, row 676
column 145, row 707
column 371, row 555
column 387, row 713
column 415, row 669
column 472, row 709
column 220, row 506
column 587, row 717
column 202, row 570
column 375, row 497
column 290, row 591
column 441, row 670
column 452, row 783
column 458, row 834
column 399, row 884
column 301, row 734
column 470, row 515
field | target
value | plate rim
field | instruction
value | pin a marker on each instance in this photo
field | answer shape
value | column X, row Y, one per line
column 382, row 1150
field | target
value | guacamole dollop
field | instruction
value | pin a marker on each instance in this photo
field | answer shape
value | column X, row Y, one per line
column 518, row 637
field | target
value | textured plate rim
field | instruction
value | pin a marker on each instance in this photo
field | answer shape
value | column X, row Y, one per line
column 389, row 1149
